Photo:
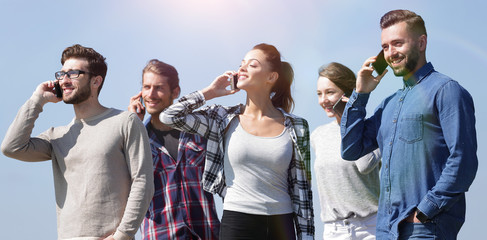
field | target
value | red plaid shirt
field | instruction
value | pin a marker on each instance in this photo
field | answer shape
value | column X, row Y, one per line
column 180, row 208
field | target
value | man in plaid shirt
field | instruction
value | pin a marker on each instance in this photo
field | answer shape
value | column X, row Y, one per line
column 180, row 208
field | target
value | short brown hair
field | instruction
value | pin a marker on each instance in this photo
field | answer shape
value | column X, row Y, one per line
column 163, row 69
column 340, row 75
column 415, row 22
column 96, row 62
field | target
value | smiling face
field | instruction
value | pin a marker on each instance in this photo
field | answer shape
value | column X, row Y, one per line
column 328, row 94
column 77, row 90
column 254, row 72
column 156, row 93
column 403, row 50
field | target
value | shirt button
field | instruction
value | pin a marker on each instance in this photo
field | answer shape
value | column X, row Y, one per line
column 394, row 121
column 390, row 143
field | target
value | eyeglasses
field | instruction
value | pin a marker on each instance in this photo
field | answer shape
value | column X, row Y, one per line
column 73, row 74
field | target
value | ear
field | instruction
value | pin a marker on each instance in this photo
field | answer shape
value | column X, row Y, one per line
column 273, row 77
column 422, row 42
column 96, row 81
column 175, row 93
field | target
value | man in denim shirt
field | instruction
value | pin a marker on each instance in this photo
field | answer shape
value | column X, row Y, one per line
column 426, row 133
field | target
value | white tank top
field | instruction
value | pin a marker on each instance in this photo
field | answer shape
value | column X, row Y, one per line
column 256, row 172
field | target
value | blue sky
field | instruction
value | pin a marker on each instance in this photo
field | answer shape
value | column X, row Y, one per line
column 203, row 39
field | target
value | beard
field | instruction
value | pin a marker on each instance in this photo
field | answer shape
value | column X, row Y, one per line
column 412, row 58
column 80, row 95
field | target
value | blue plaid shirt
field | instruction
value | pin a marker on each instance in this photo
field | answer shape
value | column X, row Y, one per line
column 211, row 122
column 180, row 208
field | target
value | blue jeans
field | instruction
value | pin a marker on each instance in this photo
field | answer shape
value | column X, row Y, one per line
column 411, row 231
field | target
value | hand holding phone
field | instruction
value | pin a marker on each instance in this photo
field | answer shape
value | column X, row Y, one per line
column 380, row 63
column 137, row 106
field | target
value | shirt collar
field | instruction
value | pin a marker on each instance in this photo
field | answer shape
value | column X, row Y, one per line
column 288, row 117
column 419, row 75
column 147, row 121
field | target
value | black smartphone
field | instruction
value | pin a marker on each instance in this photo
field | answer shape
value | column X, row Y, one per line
column 59, row 91
column 339, row 106
column 234, row 82
column 380, row 63
column 143, row 109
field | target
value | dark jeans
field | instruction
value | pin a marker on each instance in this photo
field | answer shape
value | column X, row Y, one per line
column 242, row 226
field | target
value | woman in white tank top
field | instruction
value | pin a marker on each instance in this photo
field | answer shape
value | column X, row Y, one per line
column 257, row 154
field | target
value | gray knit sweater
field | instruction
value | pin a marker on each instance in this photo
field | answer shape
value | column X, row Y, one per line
column 102, row 169
column 346, row 188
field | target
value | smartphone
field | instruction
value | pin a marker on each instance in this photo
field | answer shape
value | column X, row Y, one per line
column 380, row 63
column 141, row 110
column 234, row 82
column 339, row 106
column 59, row 91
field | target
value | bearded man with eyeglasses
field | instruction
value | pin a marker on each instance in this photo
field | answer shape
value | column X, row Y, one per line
column 101, row 160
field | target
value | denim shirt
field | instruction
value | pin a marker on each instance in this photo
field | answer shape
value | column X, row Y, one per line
column 426, row 133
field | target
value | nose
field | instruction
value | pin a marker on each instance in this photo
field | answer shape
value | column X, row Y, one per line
column 390, row 52
column 321, row 99
column 242, row 68
column 64, row 79
column 152, row 92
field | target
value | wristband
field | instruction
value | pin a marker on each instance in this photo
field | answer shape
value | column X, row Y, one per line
column 422, row 217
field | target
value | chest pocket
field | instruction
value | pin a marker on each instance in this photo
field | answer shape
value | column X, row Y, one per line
column 410, row 128
column 194, row 153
